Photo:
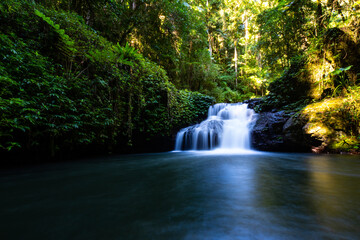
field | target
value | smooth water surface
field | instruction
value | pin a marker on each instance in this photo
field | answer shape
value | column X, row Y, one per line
column 186, row 195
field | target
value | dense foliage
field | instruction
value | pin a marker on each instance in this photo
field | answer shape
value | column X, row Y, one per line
column 323, row 68
column 64, row 87
column 105, row 73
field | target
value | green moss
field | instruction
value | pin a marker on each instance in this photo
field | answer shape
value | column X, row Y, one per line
column 336, row 121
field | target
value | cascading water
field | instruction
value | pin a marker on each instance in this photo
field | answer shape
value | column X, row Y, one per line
column 227, row 127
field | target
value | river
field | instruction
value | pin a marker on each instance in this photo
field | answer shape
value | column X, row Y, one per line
column 184, row 195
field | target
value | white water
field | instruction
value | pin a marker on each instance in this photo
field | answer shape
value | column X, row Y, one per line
column 227, row 128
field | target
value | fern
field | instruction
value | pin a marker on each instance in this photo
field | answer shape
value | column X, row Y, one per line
column 67, row 44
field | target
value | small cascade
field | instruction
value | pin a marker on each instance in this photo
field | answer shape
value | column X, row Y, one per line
column 227, row 127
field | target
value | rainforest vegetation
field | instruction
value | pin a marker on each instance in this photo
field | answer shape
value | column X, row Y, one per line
column 118, row 75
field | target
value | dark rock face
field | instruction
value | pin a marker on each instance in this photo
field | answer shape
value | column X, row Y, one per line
column 296, row 138
column 280, row 131
column 267, row 134
column 252, row 103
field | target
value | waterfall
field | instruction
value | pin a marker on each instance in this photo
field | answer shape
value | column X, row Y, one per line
column 227, row 128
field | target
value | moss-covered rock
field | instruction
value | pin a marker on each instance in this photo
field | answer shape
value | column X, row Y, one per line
column 282, row 131
column 335, row 122
column 331, row 125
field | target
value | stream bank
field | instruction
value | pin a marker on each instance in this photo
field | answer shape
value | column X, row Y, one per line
column 318, row 127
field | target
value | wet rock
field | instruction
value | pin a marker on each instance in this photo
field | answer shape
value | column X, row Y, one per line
column 296, row 136
column 267, row 133
column 252, row 103
column 285, row 132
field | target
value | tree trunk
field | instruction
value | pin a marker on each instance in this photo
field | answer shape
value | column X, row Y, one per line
column 207, row 30
column 319, row 17
column 246, row 35
column 236, row 64
column 189, row 72
column 52, row 146
column 210, row 48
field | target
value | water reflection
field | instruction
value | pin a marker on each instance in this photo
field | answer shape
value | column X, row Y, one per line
column 336, row 187
column 185, row 196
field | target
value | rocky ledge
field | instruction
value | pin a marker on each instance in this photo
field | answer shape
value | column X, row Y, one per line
column 327, row 126
column 284, row 132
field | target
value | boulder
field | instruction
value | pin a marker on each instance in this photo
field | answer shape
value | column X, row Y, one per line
column 252, row 103
column 267, row 133
column 284, row 132
column 296, row 136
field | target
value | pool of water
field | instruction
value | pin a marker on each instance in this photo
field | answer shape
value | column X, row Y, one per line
column 184, row 195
